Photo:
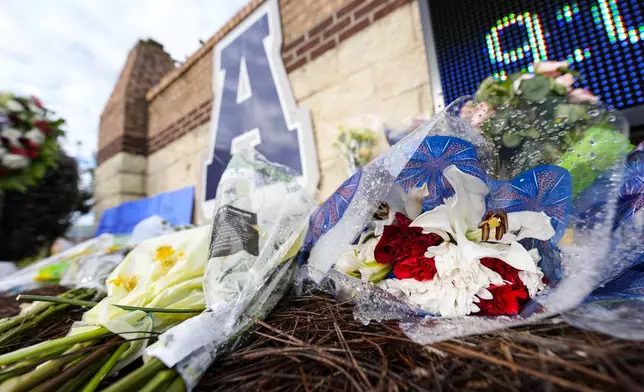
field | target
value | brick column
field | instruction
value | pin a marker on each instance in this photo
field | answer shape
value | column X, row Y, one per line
column 123, row 132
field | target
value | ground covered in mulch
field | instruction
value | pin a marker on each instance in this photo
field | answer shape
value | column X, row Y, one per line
column 313, row 343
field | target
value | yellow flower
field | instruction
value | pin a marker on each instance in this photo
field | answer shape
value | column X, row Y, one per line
column 167, row 258
column 128, row 282
column 163, row 252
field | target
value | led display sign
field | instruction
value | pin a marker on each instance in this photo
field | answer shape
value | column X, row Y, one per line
column 602, row 39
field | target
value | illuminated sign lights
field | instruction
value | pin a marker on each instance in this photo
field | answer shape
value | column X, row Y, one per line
column 603, row 39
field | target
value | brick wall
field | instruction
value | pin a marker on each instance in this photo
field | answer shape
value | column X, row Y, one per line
column 299, row 16
column 124, row 121
column 331, row 28
column 345, row 59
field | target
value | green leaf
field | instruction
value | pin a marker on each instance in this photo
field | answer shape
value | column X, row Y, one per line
column 535, row 89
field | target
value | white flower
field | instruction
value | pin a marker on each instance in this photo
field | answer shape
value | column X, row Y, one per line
column 14, row 106
column 533, row 281
column 13, row 135
column 414, row 201
column 15, row 162
column 379, row 225
column 549, row 68
column 35, row 136
column 3, row 151
column 459, row 218
column 359, row 261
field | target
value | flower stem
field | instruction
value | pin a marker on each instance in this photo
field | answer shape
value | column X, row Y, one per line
column 106, row 368
column 75, row 369
column 77, row 382
column 159, row 310
column 177, row 385
column 159, row 381
column 28, row 381
column 17, row 355
column 132, row 381
column 56, row 300
column 44, row 298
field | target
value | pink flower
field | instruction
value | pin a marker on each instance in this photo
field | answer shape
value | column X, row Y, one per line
column 549, row 68
column 566, row 80
column 581, row 95
column 477, row 113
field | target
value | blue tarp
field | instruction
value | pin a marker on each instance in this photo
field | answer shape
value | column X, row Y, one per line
column 175, row 207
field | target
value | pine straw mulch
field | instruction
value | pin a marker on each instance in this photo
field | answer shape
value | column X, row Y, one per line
column 313, row 343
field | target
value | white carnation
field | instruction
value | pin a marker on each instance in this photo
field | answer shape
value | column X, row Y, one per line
column 35, row 136
column 533, row 281
column 15, row 162
column 14, row 106
column 13, row 135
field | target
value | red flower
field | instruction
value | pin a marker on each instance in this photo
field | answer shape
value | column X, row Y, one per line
column 32, row 152
column 416, row 267
column 36, row 101
column 19, row 151
column 508, row 298
column 400, row 242
column 43, row 126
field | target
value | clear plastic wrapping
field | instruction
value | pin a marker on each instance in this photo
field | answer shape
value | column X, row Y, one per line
column 260, row 216
column 574, row 258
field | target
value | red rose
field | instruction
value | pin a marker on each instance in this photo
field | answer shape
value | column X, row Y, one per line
column 399, row 241
column 508, row 298
column 417, row 267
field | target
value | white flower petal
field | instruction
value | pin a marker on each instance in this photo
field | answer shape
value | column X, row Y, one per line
column 435, row 220
column 468, row 206
column 530, row 224
column 414, row 201
column 14, row 161
column 514, row 255
column 14, row 106
column 484, row 294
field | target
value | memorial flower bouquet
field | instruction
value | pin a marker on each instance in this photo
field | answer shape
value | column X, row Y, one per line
column 431, row 234
column 356, row 146
column 158, row 285
column 539, row 117
column 28, row 141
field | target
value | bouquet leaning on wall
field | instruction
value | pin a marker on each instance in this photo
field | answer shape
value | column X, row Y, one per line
column 260, row 219
column 452, row 236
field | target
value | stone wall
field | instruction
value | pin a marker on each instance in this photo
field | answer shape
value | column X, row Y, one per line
column 382, row 72
column 179, row 164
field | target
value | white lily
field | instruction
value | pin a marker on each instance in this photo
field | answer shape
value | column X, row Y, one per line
column 458, row 219
column 359, row 261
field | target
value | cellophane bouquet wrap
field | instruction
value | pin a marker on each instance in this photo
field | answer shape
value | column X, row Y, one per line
column 436, row 233
column 617, row 306
column 260, row 220
column 51, row 269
